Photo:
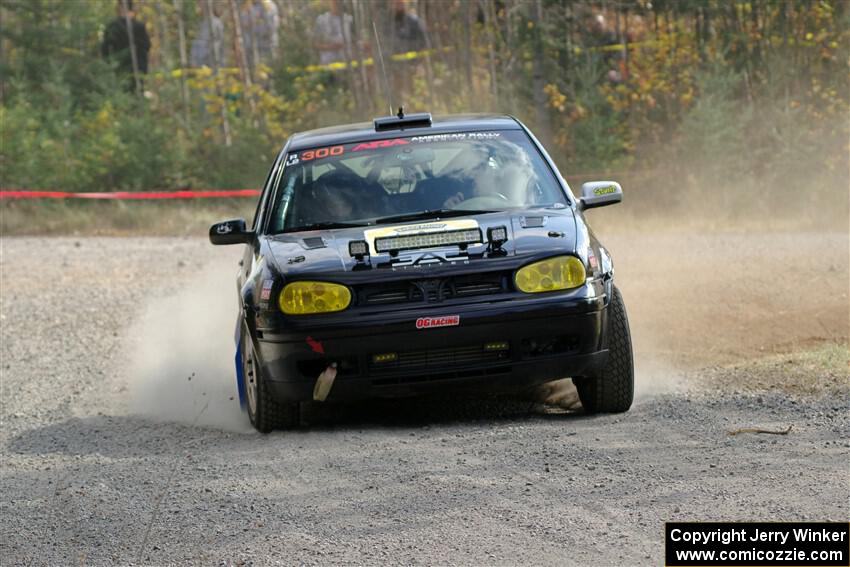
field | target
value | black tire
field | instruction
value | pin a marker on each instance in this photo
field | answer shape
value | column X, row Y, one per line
column 612, row 390
column 266, row 413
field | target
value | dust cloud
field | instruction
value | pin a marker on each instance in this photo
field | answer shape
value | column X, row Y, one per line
column 710, row 285
column 181, row 359
column 656, row 376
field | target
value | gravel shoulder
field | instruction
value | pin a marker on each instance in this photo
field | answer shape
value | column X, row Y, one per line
column 120, row 443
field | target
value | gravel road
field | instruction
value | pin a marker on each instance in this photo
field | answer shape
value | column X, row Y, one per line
column 121, row 443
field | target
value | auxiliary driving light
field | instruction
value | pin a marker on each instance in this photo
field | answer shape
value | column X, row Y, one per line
column 497, row 235
column 497, row 346
column 552, row 274
column 307, row 297
column 358, row 248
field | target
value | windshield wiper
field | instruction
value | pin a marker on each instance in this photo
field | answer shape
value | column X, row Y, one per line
column 326, row 225
column 430, row 214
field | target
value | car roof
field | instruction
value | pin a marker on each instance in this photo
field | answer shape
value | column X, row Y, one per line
column 365, row 131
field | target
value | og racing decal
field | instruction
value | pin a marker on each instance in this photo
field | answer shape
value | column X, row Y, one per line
column 444, row 321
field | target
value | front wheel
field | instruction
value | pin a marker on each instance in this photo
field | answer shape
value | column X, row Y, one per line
column 266, row 413
column 612, row 390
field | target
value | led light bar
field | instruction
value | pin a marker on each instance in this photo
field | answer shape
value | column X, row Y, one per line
column 428, row 240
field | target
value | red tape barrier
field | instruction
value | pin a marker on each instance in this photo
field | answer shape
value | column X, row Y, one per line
column 132, row 195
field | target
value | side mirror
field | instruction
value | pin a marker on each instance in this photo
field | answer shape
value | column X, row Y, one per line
column 233, row 231
column 600, row 193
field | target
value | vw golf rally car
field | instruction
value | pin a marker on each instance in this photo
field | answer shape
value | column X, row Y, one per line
column 415, row 255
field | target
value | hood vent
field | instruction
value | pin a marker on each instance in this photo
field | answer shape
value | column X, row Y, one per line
column 314, row 242
column 533, row 222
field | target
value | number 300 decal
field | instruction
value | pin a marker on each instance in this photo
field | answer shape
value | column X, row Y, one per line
column 322, row 153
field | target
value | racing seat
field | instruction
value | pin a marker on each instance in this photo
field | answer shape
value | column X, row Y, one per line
column 432, row 193
column 367, row 199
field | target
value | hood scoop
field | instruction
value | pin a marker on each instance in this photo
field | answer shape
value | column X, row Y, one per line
column 314, row 242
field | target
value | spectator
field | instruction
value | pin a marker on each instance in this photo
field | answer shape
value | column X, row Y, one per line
column 331, row 33
column 208, row 46
column 116, row 45
column 605, row 40
column 260, row 22
column 408, row 33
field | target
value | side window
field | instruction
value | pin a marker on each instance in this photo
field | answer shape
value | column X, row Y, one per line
column 268, row 187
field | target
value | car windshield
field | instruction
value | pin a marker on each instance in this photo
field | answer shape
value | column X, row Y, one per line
column 411, row 177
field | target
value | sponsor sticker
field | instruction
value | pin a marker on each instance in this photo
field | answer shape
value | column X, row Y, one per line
column 605, row 190
column 379, row 144
column 320, row 153
column 267, row 290
column 444, row 321
column 456, row 137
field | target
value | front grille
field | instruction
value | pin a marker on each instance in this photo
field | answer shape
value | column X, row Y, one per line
column 441, row 358
column 433, row 290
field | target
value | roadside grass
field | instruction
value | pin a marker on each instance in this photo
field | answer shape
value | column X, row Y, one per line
column 815, row 371
column 119, row 218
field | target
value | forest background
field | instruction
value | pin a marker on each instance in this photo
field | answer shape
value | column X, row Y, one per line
column 727, row 107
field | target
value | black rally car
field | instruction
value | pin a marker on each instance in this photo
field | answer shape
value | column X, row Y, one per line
column 413, row 255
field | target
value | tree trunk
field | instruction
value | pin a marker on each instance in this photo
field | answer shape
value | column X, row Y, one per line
column 162, row 32
column 225, row 121
column 184, row 62
column 429, row 69
column 348, row 49
column 512, row 50
column 241, row 57
column 489, row 25
column 538, row 75
column 467, row 56
column 365, row 90
column 133, row 56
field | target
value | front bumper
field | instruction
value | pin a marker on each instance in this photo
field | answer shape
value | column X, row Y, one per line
column 497, row 346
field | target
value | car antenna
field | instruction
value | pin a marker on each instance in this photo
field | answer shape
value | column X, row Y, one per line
column 383, row 67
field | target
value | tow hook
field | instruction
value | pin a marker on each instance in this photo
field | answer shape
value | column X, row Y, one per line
column 324, row 383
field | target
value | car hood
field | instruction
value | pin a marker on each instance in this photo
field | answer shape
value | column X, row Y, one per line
column 531, row 232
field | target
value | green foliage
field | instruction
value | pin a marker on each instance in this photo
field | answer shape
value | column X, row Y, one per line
column 109, row 144
column 716, row 125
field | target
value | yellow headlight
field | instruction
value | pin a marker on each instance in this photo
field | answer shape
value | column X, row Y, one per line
column 561, row 272
column 304, row 298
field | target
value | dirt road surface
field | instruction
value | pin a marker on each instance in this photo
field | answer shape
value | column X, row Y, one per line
column 121, row 443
